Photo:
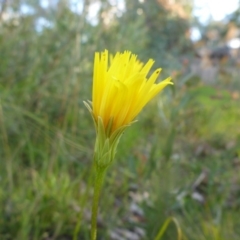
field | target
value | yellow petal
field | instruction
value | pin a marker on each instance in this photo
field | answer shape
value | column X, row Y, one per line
column 121, row 90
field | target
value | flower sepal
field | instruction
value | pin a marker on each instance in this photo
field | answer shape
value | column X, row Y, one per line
column 106, row 141
column 106, row 145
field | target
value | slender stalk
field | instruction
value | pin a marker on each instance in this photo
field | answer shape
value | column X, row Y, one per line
column 100, row 173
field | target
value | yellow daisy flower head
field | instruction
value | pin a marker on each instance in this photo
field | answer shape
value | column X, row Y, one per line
column 122, row 89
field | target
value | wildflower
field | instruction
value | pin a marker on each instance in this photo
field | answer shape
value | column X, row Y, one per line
column 120, row 91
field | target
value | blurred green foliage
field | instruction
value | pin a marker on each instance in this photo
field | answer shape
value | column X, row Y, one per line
column 47, row 136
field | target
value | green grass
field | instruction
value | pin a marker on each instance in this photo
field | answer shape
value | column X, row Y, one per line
column 47, row 138
column 46, row 155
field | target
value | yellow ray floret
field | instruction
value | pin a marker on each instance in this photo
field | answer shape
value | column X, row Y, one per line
column 121, row 89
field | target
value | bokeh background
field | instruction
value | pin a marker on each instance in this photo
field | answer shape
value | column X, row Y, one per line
column 181, row 159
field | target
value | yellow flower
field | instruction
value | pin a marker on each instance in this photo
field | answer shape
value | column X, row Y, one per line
column 122, row 89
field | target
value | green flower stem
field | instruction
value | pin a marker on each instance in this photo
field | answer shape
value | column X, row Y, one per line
column 100, row 173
